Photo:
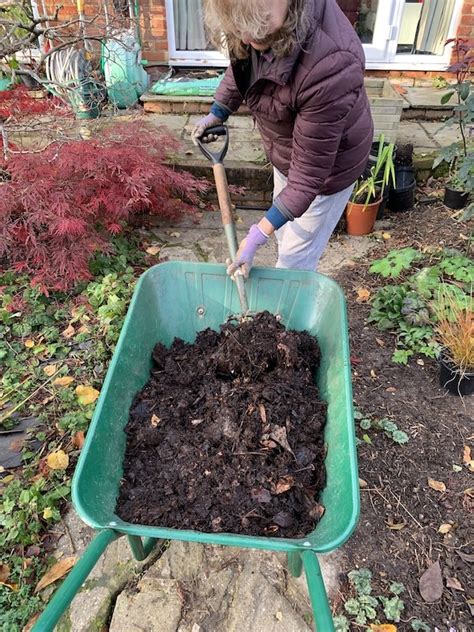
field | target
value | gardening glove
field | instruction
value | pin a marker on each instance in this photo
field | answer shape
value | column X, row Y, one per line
column 201, row 126
column 247, row 249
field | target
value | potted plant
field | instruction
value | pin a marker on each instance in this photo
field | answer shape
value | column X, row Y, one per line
column 368, row 194
column 455, row 332
column 402, row 194
column 460, row 156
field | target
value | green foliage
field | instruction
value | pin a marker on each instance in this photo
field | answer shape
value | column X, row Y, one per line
column 372, row 185
column 341, row 623
column 31, row 500
column 364, row 607
column 420, row 626
column 409, row 307
column 395, row 262
column 388, row 427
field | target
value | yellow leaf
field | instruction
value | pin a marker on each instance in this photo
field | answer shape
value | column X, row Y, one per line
column 439, row 486
column 466, row 455
column 29, row 344
column 50, row 370
column 69, row 331
column 58, row 460
column 86, row 394
column 153, row 250
column 47, row 513
column 470, row 466
column 363, row 295
column 65, row 380
column 445, row 528
column 13, row 587
column 56, row 572
column 386, row 235
column 383, row 627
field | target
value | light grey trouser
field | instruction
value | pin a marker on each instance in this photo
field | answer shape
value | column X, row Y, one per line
column 302, row 241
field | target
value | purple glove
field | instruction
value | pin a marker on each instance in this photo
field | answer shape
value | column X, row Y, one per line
column 248, row 247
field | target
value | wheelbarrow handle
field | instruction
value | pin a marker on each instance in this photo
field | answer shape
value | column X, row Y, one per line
column 217, row 156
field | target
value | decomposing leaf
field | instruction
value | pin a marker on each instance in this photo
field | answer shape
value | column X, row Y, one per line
column 155, row 420
column 439, row 486
column 469, row 492
column 29, row 626
column 380, row 342
column 383, row 627
column 454, row 583
column 78, row 439
column 395, row 526
column 470, row 603
column 283, row 519
column 466, row 557
column 153, row 250
column 445, row 528
column 29, row 344
column 261, row 495
column 56, row 572
column 86, row 394
column 317, row 512
column 58, row 460
column 466, row 455
column 284, row 484
column 64, row 380
column 4, row 573
column 263, row 414
column 363, row 295
column 50, row 369
column 69, row 331
column 362, row 484
column 373, row 373
column 431, row 583
column 279, row 435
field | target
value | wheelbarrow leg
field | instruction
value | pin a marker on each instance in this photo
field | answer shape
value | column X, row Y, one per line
column 71, row 585
column 295, row 563
column 141, row 550
column 317, row 593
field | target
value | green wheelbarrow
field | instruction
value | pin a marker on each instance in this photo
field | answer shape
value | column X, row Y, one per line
column 180, row 299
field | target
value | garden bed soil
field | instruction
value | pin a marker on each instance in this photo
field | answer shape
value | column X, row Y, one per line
column 398, row 536
column 227, row 436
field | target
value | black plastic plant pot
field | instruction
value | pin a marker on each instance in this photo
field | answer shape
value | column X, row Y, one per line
column 383, row 203
column 402, row 196
column 454, row 380
column 455, row 199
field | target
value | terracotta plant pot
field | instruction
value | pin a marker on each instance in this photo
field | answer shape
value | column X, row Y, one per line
column 360, row 218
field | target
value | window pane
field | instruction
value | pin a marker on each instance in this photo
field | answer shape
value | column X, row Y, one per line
column 362, row 14
column 425, row 26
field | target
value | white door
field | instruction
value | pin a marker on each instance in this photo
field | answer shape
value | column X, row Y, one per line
column 377, row 28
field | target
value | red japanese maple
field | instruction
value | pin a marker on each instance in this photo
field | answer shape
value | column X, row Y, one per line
column 62, row 205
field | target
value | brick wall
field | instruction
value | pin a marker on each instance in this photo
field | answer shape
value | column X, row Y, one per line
column 155, row 42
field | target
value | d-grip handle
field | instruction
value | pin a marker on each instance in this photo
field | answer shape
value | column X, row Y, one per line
column 217, row 156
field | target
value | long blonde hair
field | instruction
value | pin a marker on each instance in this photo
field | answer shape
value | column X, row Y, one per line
column 227, row 20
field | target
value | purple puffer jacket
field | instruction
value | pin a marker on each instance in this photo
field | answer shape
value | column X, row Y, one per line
column 311, row 109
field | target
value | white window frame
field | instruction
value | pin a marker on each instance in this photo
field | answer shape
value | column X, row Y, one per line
column 189, row 57
column 402, row 61
column 381, row 54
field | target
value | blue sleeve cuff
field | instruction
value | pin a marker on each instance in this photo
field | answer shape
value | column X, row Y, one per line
column 218, row 111
column 275, row 217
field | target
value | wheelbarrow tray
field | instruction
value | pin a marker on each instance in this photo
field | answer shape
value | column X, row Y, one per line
column 179, row 299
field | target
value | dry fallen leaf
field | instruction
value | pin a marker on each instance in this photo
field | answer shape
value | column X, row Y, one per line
column 153, row 250
column 469, row 492
column 383, row 627
column 4, row 572
column 56, row 572
column 466, row 455
column 58, row 460
column 284, row 484
column 363, row 295
column 454, row 583
column 439, row 486
column 78, row 439
column 29, row 626
column 445, row 528
column 69, row 331
column 380, row 342
column 279, row 435
column 263, row 414
column 86, row 394
column 466, row 557
column 49, row 369
column 431, row 583
column 155, row 420
column 65, row 380
column 29, row 344
column 386, row 235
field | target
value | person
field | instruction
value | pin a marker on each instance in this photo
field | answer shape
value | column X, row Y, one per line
column 299, row 67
